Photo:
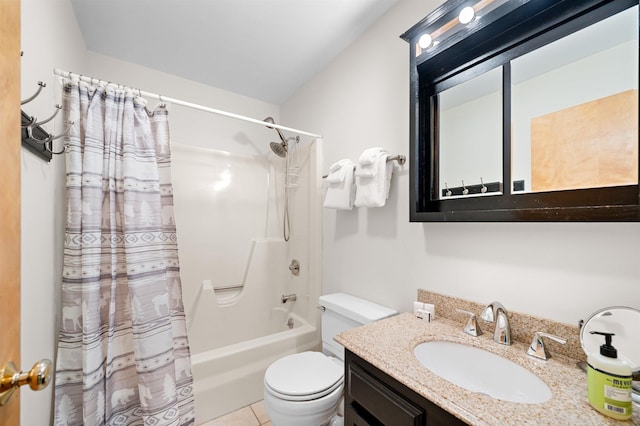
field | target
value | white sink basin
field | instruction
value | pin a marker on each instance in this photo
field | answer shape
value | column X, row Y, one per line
column 481, row 371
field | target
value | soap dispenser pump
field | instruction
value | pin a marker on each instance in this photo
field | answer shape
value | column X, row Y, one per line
column 609, row 381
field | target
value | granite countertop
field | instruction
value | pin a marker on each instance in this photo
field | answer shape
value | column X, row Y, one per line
column 388, row 345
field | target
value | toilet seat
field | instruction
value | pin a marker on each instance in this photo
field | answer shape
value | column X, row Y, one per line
column 303, row 376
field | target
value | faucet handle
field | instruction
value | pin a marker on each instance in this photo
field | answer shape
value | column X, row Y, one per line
column 537, row 348
column 472, row 327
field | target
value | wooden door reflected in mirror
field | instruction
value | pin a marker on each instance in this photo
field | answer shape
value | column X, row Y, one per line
column 574, row 109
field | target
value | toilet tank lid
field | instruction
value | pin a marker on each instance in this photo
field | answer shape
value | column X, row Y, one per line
column 357, row 309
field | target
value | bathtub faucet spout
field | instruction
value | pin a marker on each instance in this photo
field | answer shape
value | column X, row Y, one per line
column 289, row 297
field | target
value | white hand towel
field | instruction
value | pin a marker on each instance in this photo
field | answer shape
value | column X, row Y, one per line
column 370, row 156
column 368, row 161
column 340, row 186
column 373, row 190
column 338, row 171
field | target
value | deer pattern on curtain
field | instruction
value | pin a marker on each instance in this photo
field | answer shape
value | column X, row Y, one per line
column 123, row 353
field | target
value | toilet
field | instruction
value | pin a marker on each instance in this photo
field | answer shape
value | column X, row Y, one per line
column 307, row 388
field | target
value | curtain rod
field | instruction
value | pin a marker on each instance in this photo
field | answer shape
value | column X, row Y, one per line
column 174, row 101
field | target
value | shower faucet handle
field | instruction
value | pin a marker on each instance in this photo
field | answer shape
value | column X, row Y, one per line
column 295, row 267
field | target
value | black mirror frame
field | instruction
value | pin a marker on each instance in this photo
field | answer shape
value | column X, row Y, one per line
column 526, row 25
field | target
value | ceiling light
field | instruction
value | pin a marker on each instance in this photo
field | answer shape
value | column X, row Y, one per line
column 425, row 41
column 466, row 15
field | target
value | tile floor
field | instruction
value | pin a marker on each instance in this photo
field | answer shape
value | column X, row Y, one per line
column 253, row 415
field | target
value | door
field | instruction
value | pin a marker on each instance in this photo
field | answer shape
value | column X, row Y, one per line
column 10, row 197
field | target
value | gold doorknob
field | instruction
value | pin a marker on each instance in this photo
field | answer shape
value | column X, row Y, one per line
column 11, row 378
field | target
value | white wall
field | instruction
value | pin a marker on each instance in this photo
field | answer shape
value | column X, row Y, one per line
column 561, row 271
column 49, row 37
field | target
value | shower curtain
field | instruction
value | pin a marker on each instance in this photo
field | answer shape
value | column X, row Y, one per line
column 123, row 353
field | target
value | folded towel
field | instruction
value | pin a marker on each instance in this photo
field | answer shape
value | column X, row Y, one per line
column 370, row 156
column 340, row 186
column 338, row 171
column 372, row 190
column 368, row 161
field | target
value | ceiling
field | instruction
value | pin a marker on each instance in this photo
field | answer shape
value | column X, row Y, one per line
column 264, row 49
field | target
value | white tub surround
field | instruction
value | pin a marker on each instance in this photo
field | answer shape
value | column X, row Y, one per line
column 235, row 266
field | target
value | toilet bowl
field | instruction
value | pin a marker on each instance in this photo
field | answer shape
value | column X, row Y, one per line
column 303, row 389
column 307, row 388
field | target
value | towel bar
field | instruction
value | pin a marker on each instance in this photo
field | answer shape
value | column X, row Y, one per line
column 401, row 159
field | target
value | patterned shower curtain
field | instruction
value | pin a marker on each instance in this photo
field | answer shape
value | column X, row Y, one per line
column 123, row 353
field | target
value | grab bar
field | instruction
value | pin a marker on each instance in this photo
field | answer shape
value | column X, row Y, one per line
column 228, row 287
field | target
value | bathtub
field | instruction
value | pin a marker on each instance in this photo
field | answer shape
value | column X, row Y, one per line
column 231, row 377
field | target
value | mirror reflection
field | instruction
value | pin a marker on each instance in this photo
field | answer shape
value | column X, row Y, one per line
column 470, row 134
column 575, row 109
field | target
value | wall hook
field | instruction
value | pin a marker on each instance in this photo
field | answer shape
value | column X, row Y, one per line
column 448, row 193
column 29, row 99
column 58, row 108
column 484, row 188
column 50, row 138
column 30, row 123
column 49, row 147
column 465, row 191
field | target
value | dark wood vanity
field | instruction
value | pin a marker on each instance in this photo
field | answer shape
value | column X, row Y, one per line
column 372, row 397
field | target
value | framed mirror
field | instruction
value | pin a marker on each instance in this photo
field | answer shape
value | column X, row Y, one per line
column 525, row 110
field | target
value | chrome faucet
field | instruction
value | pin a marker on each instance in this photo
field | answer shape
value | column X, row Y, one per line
column 289, row 297
column 495, row 311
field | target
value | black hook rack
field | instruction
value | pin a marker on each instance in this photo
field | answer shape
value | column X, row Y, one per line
column 34, row 137
column 482, row 188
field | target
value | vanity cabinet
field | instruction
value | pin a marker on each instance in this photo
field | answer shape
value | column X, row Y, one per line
column 372, row 397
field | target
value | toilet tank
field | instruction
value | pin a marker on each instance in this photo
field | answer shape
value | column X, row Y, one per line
column 343, row 311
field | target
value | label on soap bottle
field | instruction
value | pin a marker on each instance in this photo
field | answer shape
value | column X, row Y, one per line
column 609, row 394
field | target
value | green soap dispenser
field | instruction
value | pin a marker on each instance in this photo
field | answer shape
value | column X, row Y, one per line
column 609, row 381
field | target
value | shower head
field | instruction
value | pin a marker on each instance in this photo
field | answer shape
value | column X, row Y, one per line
column 280, row 149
